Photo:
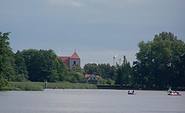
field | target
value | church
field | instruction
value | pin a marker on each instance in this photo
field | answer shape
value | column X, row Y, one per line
column 70, row 61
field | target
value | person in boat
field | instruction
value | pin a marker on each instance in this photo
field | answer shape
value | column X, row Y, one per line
column 176, row 92
column 170, row 90
column 129, row 92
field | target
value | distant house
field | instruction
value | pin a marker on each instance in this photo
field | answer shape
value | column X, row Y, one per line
column 70, row 61
column 92, row 78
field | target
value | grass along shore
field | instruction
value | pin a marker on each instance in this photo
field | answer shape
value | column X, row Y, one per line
column 40, row 86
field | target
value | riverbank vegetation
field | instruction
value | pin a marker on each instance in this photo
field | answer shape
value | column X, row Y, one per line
column 40, row 86
column 160, row 64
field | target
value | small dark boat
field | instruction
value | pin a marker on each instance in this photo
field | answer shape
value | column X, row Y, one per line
column 131, row 92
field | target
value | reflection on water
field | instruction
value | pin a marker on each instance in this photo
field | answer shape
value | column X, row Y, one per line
column 90, row 101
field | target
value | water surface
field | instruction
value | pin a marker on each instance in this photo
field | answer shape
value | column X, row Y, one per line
column 90, row 101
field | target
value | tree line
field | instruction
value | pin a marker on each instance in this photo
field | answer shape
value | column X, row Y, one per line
column 160, row 64
column 33, row 65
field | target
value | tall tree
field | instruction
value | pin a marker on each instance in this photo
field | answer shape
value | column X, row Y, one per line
column 124, row 73
column 127, row 71
column 6, row 58
column 20, row 68
column 181, row 73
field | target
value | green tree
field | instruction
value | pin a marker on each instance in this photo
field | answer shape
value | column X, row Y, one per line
column 75, row 75
column 113, row 73
column 180, row 82
column 43, row 65
column 127, row 71
column 119, row 77
column 124, row 73
column 158, row 59
column 105, row 70
column 91, row 68
column 3, row 82
column 20, row 68
column 110, row 81
column 6, row 58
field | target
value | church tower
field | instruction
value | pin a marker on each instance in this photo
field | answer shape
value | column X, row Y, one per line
column 70, row 61
column 74, row 60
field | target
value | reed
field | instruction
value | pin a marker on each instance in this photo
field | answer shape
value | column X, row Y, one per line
column 68, row 85
column 39, row 86
column 27, row 86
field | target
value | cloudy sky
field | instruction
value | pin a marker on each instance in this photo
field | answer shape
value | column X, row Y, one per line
column 96, row 29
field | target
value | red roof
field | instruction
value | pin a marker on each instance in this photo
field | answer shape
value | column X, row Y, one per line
column 88, row 75
column 65, row 59
column 74, row 55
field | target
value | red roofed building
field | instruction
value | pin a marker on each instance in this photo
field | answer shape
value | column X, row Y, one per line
column 70, row 61
column 92, row 78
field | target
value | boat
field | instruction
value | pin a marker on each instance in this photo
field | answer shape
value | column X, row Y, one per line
column 131, row 93
column 174, row 93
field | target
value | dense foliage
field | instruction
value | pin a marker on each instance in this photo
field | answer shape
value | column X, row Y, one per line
column 75, row 75
column 41, row 65
column 124, row 73
column 6, row 58
column 7, row 71
column 160, row 62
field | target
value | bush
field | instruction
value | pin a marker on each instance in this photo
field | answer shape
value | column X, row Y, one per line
column 3, row 82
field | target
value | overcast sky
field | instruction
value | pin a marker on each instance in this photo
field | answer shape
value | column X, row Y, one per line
column 96, row 29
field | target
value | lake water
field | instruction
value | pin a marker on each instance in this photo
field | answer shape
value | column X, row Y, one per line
column 90, row 101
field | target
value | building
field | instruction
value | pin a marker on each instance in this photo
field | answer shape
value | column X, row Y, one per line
column 70, row 61
column 92, row 79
